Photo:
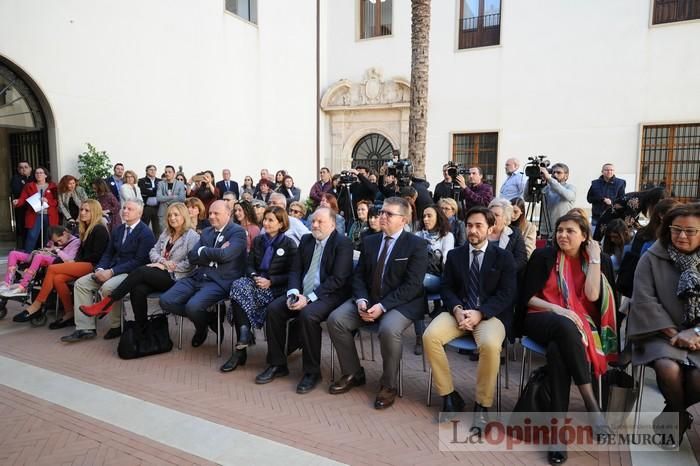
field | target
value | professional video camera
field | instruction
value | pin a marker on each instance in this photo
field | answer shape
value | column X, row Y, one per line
column 454, row 170
column 347, row 177
column 535, row 180
column 402, row 169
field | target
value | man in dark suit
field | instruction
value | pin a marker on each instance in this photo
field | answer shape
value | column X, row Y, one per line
column 149, row 192
column 478, row 291
column 116, row 180
column 387, row 288
column 128, row 250
column 318, row 283
column 220, row 257
column 227, row 185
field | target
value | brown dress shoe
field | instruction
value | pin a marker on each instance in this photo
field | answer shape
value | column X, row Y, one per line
column 346, row 382
column 385, row 397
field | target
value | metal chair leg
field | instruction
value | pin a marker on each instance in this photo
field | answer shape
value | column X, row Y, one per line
column 179, row 332
column 362, row 346
column 600, row 392
column 638, row 403
column 400, row 375
column 506, row 366
column 498, row 389
column 424, row 365
column 430, row 386
column 522, row 372
column 371, row 345
column 332, row 363
column 218, row 329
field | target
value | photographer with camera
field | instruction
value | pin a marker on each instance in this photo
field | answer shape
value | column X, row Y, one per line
column 355, row 186
column 204, row 188
column 476, row 192
column 559, row 195
column 444, row 188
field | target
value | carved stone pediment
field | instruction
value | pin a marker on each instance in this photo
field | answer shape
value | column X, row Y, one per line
column 372, row 92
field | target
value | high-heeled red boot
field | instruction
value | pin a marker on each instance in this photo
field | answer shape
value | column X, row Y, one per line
column 99, row 309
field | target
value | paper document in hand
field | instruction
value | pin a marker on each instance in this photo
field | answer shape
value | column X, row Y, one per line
column 35, row 201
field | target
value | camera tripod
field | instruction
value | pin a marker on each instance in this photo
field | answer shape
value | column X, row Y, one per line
column 538, row 198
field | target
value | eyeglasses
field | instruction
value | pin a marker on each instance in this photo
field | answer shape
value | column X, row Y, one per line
column 689, row 232
column 295, row 211
column 386, row 213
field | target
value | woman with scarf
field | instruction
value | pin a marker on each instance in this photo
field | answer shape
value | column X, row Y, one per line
column 269, row 263
column 664, row 319
column 360, row 224
column 569, row 308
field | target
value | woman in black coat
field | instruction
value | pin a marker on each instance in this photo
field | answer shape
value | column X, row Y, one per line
column 269, row 262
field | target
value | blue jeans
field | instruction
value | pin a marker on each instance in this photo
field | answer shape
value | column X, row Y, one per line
column 34, row 234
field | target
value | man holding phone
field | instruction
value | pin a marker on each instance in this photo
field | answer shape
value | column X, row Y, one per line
column 318, row 282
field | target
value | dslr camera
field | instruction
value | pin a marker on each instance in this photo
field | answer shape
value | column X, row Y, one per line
column 454, row 170
column 535, row 180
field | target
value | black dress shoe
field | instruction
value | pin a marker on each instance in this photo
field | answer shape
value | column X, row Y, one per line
column 79, row 335
column 238, row 358
column 452, row 403
column 22, row 317
column 481, row 419
column 385, row 397
column 557, row 457
column 308, row 383
column 346, row 382
column 60, row 323
column 113, row 333
column 200, row 335
column 271, row 373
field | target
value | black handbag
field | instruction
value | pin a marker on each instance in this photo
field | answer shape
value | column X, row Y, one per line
column 435, row 264
column 537, row 395
column 153, row 338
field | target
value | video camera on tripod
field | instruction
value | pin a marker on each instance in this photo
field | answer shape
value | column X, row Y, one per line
column 401, row 169
column 347, row 177
column 535, row 181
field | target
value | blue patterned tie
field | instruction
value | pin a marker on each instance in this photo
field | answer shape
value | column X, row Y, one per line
column 473, row 286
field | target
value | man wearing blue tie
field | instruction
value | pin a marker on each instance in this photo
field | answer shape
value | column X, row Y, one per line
column 478, row 291
column 127, row 250
column 220, row 258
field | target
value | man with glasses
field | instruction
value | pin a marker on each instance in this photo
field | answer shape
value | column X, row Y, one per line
column 323, row 185
column 149, row 192
column 387, row 289
column 559, row 196
column 604, row 191
column 19, row 179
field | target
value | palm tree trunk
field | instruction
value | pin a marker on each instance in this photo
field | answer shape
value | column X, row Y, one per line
column 418, row 116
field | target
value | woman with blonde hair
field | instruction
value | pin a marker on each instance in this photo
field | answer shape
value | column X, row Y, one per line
column 129, row 190
column 169, row 263
column 94, row 239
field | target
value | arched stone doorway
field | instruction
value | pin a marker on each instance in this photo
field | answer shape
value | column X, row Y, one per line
column 358, row 109
column 26, row 133
column 372, row 151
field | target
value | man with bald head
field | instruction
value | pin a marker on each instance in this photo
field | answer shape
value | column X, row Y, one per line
column 516, row 181
column 220, row 258
column 318, row 283
column 127, row 250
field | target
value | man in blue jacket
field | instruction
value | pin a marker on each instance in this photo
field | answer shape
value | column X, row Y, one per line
column 127, row 250
column 220, row 257
column 604, row 191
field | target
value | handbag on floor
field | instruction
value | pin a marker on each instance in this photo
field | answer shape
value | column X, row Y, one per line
column 537, row 395
column 153, row 338
column 619, row 396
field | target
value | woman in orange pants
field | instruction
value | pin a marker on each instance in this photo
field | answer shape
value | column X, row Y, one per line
column 94, row 239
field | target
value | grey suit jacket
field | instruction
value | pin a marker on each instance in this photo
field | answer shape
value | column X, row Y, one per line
column 164, row 199
column 178, row 253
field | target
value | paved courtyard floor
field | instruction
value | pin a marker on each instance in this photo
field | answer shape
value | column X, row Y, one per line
column 81, row 404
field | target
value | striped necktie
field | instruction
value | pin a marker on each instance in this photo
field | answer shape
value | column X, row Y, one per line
column 473, row 286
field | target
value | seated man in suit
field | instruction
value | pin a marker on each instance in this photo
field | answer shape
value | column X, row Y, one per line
column 220, row 258
column 127, row 250
column 478, row 291
column 318, row 283
column 387, row 288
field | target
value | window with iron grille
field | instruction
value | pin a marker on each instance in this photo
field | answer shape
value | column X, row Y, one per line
column 375, row 18
column 479, row 23
column 372, row 151
column 671, row 158
column 477, row 150
column 246, row 9
column 671, row 11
